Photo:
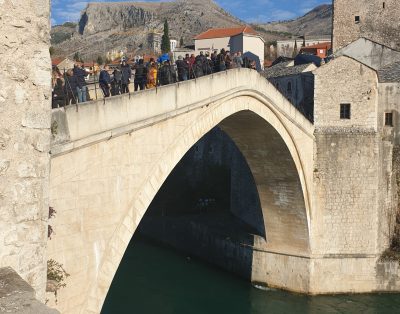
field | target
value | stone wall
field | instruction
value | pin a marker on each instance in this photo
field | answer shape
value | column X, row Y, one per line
column 345, row 81
column 25, row 94
column 379, row 21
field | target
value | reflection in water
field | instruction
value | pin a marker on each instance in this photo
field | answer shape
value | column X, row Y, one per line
column 157, row 280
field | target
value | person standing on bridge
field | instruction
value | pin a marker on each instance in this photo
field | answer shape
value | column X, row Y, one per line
column 167, row 74
column 117, row 82
column 126, row 74
column 81, row 87
column 183, row 69
column 105, row 81
column 140, row 75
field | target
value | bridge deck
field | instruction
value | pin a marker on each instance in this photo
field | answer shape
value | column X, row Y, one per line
column 78, row 125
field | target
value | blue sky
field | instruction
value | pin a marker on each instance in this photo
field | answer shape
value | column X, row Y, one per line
column 248, row 10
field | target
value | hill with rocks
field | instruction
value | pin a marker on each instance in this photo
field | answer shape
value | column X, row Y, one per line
column 317, row 22
column 126, row 26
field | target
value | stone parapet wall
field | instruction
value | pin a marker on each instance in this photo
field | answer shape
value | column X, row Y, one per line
column 25, row 95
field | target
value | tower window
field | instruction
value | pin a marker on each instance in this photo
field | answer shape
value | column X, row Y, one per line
column 388, row 118
column 384, row 5
column 357, row 19
column 345, row 111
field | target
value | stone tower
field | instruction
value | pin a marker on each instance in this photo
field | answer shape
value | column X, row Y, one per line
column 25, row 116
column 376, row 20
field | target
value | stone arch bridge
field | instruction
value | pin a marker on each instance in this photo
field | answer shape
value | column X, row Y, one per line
column 109, row 159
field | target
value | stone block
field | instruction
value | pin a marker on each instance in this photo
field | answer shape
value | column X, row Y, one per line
column 4, row 165
column 5, row 137
column 17, row 296
column 36, row 120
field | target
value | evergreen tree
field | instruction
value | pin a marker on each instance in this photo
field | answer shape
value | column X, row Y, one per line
column 181, row 44
column 165, row 43
column 100, row 60
column 77, row 58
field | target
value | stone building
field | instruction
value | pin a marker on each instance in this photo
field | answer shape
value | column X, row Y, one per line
column 296, row 83
column 376, row 20
column 243, row 39
column 285, row 48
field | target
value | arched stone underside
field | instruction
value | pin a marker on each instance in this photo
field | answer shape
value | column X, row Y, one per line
column 128, row 170
column 272, row 165
column 277, row 180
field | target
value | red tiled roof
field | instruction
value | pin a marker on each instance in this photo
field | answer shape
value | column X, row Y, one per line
column 267, row 63
column 56, row 61
column 226, row 32
column 326, row 45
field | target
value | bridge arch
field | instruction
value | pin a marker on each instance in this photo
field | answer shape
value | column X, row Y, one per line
column 274, row 149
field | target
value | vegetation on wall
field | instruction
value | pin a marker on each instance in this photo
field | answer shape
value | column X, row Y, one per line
column 56, row 276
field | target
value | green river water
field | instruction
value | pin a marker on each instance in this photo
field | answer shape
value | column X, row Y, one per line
column 157, row 280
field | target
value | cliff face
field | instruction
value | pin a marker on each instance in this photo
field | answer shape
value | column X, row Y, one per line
column 118, row 25
column 103, row 17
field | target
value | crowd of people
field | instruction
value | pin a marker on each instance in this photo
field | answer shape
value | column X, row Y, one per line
column 71, row 87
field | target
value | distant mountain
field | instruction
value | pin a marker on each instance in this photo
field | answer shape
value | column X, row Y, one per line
column 118, row 25
column 317, row 22
column 126, row 25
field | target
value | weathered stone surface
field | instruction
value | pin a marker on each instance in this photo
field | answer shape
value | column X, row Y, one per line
column 25, row 94
column 379, row 21
column 17, row 297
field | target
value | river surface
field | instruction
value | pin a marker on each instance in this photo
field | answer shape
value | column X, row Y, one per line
column 156, row 280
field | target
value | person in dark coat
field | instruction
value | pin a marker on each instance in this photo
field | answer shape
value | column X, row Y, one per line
column 198, row 68
column 221, row 60
column 81, row 87
column 140, row 76
column 126, row 74
column 167, row 74
column 70, row 88
column 183, row 69
column 116, row 82
column 59, row 98
column 105, row 81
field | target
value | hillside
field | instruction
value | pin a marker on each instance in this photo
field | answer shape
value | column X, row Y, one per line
column 126, row 25
column 119, row 25
column 317, row 22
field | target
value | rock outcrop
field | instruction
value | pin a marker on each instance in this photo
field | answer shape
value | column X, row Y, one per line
column 17, row 296
column 107, row 26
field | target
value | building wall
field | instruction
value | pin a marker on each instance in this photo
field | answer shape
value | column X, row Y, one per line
column 25, row 95
column 254, row 48
column 344, row 80
column 347, row 154
column 389, row 101
column 377, row 22
column 285, row 47
column 212, row 44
